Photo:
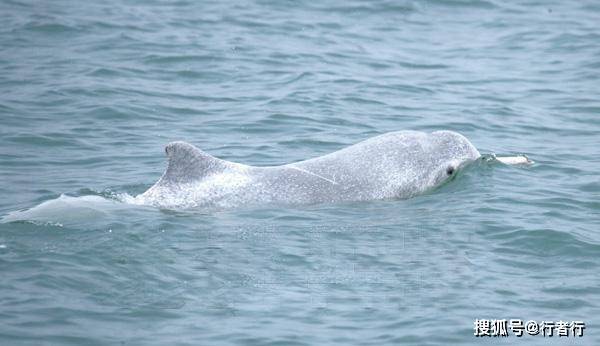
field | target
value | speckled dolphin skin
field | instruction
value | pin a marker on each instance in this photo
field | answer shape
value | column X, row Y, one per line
column 398, row 164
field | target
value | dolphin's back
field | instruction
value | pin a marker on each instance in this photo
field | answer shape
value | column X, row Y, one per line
column 393, row 165
column 187, row 163
column 193, row 178
column 383, row 166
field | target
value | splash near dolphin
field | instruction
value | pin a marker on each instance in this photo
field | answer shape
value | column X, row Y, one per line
column 399, row 164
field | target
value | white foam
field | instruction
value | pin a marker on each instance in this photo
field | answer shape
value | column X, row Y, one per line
column 515, row 160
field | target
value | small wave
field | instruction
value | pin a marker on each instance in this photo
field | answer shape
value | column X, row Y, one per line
column 51, row 28
column 368, row 8
column 175, row 59
column 465, row 4
column 64, row 209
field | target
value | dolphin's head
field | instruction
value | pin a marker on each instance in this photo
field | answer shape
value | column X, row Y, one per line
column 450, row 151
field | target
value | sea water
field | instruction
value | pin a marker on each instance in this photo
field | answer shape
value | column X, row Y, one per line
column 91, row 92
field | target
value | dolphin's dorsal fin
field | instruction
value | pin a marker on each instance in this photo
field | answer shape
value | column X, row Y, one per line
column 188, row 163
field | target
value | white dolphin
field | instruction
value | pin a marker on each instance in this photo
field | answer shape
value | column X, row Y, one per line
column 399, row 164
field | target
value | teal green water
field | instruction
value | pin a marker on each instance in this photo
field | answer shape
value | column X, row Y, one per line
column 90, row 94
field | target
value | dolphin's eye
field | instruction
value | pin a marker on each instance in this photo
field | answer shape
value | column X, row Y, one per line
column 450, row 170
